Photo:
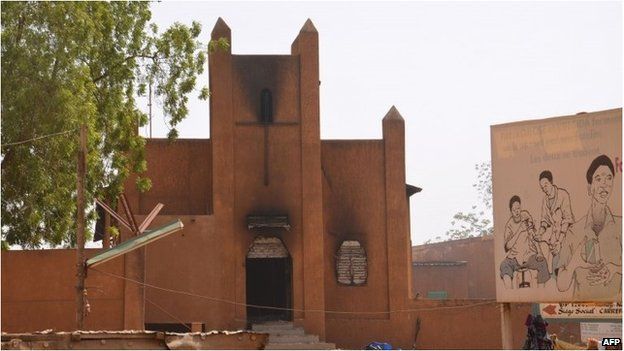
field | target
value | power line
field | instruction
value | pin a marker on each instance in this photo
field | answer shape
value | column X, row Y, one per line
column 289, row 309
column 38, row 138
column 169, row 314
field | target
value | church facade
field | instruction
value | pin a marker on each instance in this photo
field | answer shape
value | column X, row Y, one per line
column 278, row 225
column 273, row 215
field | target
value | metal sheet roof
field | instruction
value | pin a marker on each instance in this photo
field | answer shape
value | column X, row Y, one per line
column 136, row 242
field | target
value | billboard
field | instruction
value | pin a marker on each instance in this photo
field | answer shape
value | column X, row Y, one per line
column 557, row 201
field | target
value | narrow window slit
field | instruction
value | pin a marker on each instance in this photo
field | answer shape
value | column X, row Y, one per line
column 266, row 106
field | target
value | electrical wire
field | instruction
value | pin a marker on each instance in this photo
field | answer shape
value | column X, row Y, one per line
column 489, row 302
column 170, row 315
column 38, row 138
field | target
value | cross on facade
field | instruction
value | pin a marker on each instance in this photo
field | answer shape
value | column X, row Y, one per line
column 266, row 127
column 266, row 121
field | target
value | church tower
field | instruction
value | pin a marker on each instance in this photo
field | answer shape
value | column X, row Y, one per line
column 267, row 189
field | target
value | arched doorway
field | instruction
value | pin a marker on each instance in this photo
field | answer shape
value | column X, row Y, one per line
column 269, row 280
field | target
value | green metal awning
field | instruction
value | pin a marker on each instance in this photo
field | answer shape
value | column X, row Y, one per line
column 136, row 242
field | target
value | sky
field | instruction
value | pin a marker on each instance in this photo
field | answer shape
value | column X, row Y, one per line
column 452, row 69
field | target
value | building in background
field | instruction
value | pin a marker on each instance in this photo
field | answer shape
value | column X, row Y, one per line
column 459, row 269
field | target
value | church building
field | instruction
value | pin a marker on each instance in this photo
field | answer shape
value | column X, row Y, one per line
column 278, row 225
column 273, row 215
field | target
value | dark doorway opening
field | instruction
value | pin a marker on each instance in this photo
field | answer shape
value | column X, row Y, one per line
column 269, row 283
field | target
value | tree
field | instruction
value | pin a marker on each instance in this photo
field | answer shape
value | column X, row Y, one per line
column 477, row 221
column 69, row 63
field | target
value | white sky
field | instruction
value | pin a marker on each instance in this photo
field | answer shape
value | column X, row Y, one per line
column 451, row 68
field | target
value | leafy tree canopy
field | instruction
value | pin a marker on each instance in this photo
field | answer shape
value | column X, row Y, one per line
column 477, row 221
column 68, row 63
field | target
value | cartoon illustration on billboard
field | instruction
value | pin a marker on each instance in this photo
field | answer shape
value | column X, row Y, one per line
column 584, row 256
column 522, row 252
column 556, row 218
column 557, row 190
column 591, row 257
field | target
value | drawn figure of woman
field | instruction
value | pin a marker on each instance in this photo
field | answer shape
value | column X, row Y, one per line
column 591, row 256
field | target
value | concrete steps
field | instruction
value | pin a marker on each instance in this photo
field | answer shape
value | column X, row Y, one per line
column 285, row 336
column 301, row 346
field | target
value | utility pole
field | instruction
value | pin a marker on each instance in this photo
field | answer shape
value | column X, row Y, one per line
column 80, row 230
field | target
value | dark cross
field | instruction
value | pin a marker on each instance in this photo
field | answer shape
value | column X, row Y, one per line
column 266, row 144
column 266, row 117
column 266, row 154
column 266, row 120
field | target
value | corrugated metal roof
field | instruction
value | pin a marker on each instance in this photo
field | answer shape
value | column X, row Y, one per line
column 136, row 242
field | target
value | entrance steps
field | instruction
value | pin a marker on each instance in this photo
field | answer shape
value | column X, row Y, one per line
column 285, row 336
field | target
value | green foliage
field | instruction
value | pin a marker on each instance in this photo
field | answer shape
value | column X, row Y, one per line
column 68, row 63
column 204, row 94
column 468, row 225
column 477, row 221
column 484, row 183
column 143, row 184
column 221, row 43
column 113, row 231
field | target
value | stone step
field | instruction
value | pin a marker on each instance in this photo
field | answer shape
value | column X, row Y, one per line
column 284, row 335
column 287, row 323
column 273, row 327
column 280, row 332
column 301, row 346
column 292, row 339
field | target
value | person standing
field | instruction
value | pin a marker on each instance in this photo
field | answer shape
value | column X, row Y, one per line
column 556, row 219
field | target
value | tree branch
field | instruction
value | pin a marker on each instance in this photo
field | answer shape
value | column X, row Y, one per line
column 131, row 57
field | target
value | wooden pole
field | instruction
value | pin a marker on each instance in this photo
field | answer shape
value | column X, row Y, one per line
column 106, row 239
column 506, row 329
column 80, row 230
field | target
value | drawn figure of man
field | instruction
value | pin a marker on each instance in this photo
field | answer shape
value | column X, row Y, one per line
column 556, row 216
column 591, row 257
column 521, row 250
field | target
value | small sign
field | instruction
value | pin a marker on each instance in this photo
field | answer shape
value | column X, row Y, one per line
column 582, row 310
column 600, row 332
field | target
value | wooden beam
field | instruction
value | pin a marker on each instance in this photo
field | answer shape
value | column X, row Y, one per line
column 150, row 217
column 129, row 214
column 114, row 214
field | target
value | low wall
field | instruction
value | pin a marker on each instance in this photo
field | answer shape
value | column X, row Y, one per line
column 443, row 325
column 475, row 327
column 38, row 292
